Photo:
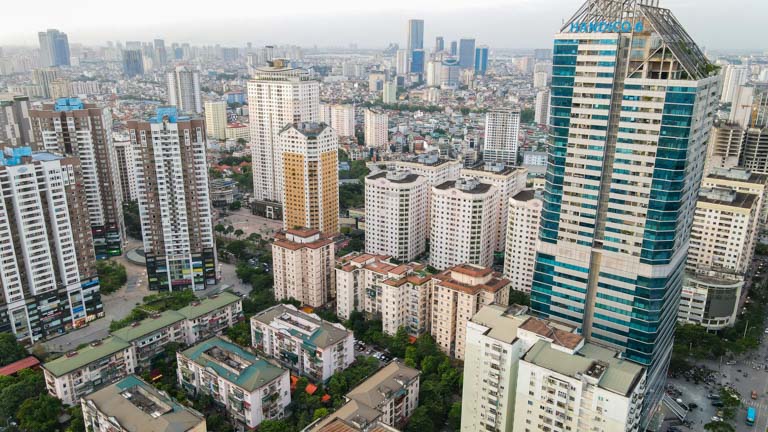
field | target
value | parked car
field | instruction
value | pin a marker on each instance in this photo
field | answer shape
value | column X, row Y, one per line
column 754, row 394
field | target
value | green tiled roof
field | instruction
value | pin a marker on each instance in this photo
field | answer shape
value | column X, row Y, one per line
column 148, row 326
column 257, row 374
column 64, row 365
column 209, row 305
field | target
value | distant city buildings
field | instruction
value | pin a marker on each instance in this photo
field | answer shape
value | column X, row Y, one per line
column 54, row 48
column 302, row 261
column 502, row 128
column 343, row 119
column 15, row 122
column 466, row 53
column 216, row 119
column 481, row 60
column 133, row 63
column 375, row 127
column 541, row 107
column 522, row 231
column 174, row 201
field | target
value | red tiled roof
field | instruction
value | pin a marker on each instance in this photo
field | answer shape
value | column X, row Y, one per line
column 16, row 366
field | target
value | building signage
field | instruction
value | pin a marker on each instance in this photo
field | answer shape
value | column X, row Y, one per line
column 606, row 27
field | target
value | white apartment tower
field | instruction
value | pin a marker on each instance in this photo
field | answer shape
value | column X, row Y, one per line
column 125, row 156
column 216, row 119
column 48, row 275
column 343, row 119
column 396, row 214
column 502, row 127
column 278, row 95
column 522, row 231
column 184, row 90
column 464, row 223
column 734, row 76
column 541, row 107
column 376, row 125
column 174, row 200
column 509, row 181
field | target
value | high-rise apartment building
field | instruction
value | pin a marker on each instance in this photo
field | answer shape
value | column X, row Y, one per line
column 454, row 48
column 734, row 76
column 457, row 295
column 184, row 90
column 466, row 53
column 343, row 119
column 389, row 94
column 47, row 264
column 617, row 215
column 725, row 146
column 174, row 202
column 541, row 107
column 54, row 48
column 522, row 230
column 302, row 261
column 161, row 55
column 755, row 152
column 481, row 60
column 278, row 95
column 508, row 182
column 396, row 214
column 311, row 176
column 502, row 127
column 126, row 166
column 84, row 130
column 216, row 119
column 376, row 126
column 741, row 180
column 439, row 44
column 42, row 78
column 133, row 63
column 402, row 59
column 721, row 248
column 15, row 123
column 464, row 223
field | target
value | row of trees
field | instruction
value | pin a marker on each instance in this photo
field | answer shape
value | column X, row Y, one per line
column 112, row 276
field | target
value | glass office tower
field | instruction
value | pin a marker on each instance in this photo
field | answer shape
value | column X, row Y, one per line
column 632, row 104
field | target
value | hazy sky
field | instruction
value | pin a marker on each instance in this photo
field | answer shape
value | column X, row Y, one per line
column 498, row 23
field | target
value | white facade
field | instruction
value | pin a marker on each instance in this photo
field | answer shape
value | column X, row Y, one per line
column 216, row 119
column 464, row 223
column 343, row 119
column 540, row 79
column 389, row 94
column 522, row 234
column 248, row 401
column 508, row 182
column 401, row 62
column 125, row 156
column 277, row 96
column 734, row 76
column 184, row 90
column 541, row 107
column 376, row 125
column 303, row 342
column 396, row 214
column 501, row 136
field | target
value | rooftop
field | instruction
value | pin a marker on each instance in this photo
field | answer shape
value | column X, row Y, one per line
column 395, row 177
column 737, row 174
column 77, row 359
column 727, row 197
column 308, row 129
column 612, row 372
column 139, row 407
column 560, row 334
column 19, row 365
column 148, row 326
column 383, row 384
column 525, row 195
column 465, row 186
column 209, row 305
column 233, row 363
column 502, row 322
column 308, row 327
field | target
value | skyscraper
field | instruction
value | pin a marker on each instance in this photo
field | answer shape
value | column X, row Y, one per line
column 343, row 119
column 43, row 78
column 278, row 95
column 439, row 44
column 133, row 63
column 54, row 48
column 84, row 130
column 174, row 202
column 481, row 60
column 184, row 90
column 466, row 53
column 401, row 62
column 417, row 61
column 616, row 219
column 734, row 76
column 48, row 268
column 454, row 48
column 502, row 127
column 415, row 34
column 376, row 125
column 310, row 169
column 216, row 119
column 161, row 56
column 541, row 107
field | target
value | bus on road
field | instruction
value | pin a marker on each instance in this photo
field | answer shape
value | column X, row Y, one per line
column 751, row 416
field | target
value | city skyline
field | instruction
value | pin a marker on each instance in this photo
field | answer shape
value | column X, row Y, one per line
column 343, row 23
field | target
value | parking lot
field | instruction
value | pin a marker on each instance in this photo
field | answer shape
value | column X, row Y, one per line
column 362, row 349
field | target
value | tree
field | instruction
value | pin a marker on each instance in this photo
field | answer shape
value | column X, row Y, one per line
column 132, row 219
column 112, row 276
column 519, row 297
column 235, row 205
column 731, row 403
column 420, row 421
column 719, row 426
column 76, row 424
column 216, row 422
column 39, row 414
column 454, row 416
column 239, row 233
column 241, row 141
column 15, row 390
column 240, row 333
column 229, row 230
column 10, row 349
column 526, row 115
column 220, row 229
column 320, row 413
column 274, row 426
column 399, row 343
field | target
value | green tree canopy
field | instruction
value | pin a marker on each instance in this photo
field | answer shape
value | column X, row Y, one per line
column 39, row 414
column 10, row 349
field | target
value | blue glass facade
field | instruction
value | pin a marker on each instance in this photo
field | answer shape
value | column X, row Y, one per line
column 481, row 60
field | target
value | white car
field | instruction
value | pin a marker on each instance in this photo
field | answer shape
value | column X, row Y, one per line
column 716, row 419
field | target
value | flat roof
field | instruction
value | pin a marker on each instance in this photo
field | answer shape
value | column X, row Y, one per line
column 148, row 326
column 620, row 376
column 407, row 178
column 84, row 356
column 501, row 324
column 139, row 407
column 478, row 189
column 208, row 305
column 257, row 372
column 324, row 333
column 387, row 380
column 740, row 199
column 525, row 195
